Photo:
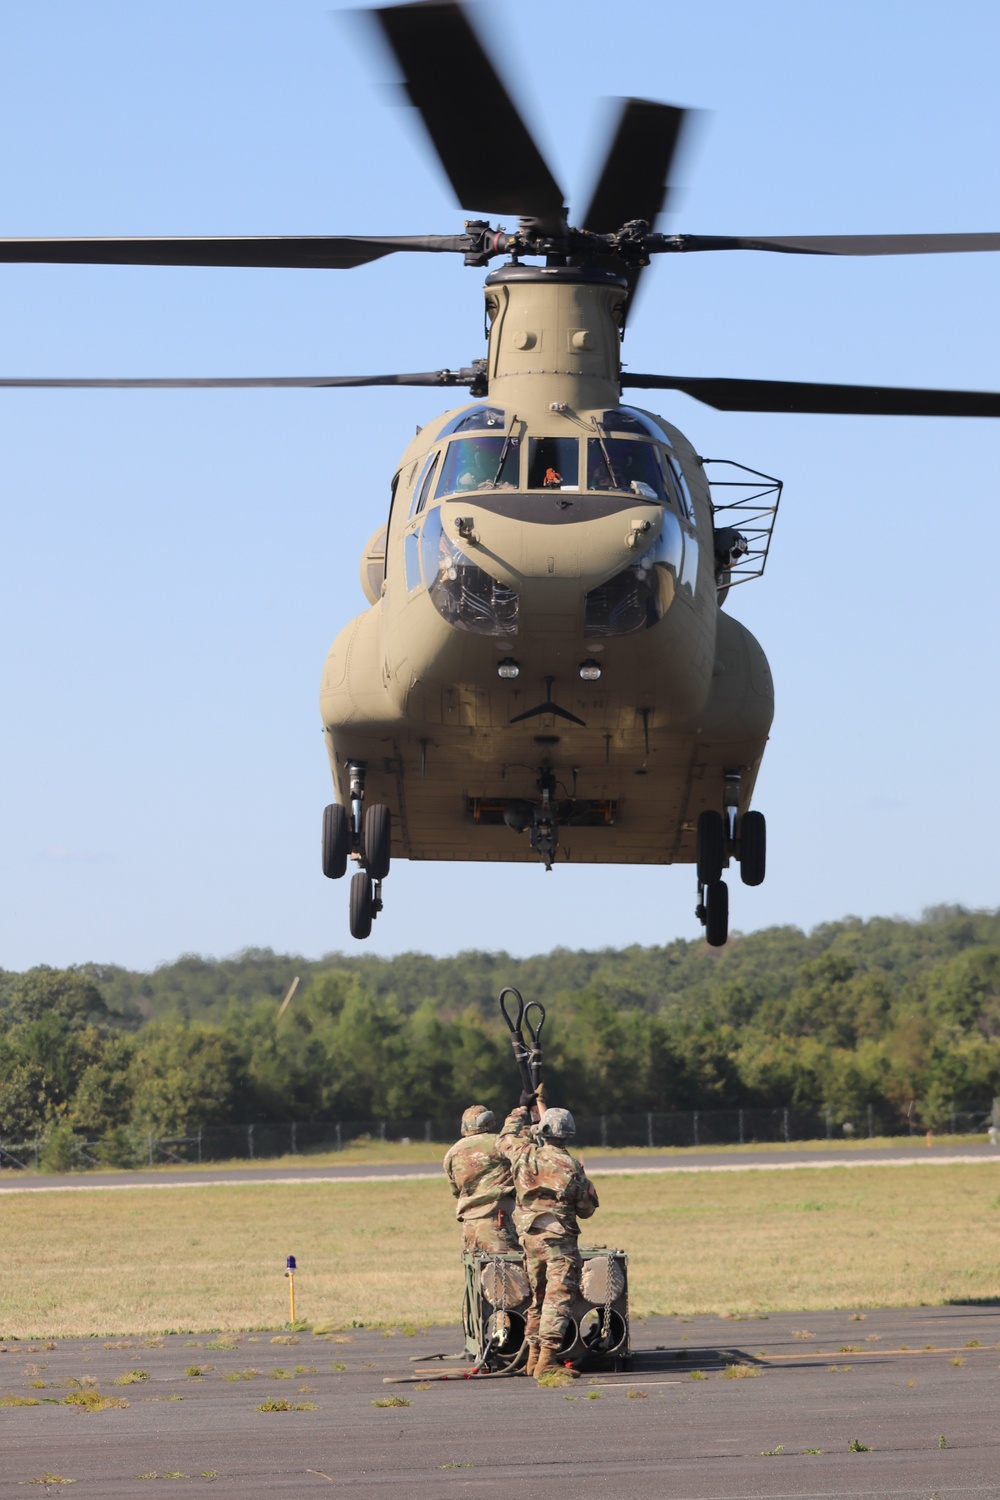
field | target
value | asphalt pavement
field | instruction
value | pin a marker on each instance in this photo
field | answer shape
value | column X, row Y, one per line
column 898, row 1403
column 908, row 1152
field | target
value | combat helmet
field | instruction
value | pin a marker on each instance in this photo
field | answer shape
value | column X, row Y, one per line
column 556, row 1125
column 477, row 1119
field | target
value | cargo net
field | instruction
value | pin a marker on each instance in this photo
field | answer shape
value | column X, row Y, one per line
column 746, row 507
column 496, row 1302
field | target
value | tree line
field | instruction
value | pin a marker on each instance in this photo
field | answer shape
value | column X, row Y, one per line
column 901, row 1015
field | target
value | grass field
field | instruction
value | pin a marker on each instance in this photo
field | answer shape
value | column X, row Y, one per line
column 147, row 1261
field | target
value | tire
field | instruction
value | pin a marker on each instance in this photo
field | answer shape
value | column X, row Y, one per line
column 361, row 905
column 378, row 840
column 336, row 841
column 753, row 848
column 711, row 847
column 717, row 914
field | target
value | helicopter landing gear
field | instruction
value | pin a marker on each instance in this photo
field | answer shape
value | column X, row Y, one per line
column 712, row 912
column 711, row 847
column 366, row 836
column 753, row 848
column 336, row 841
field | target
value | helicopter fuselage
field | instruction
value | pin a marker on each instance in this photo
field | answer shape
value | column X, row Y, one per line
column 545, row 625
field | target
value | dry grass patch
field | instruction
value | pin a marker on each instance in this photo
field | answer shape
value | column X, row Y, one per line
column 386, row 1254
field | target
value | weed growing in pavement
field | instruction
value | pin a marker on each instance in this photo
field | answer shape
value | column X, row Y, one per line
column 958, row 1360
column 465, row 1465
column 19, row 1401
column 856, row 1446
column 92, row 1401
column 119, row 1344
column 195, row 1371
column 242, row 1375
column 812, row 1450
column 942, row 1441
column 910, row 1384
column 593, row 1395
column 740, row 1372
column 849, row 1349
column 973, row 1344
column 173, row 1396
column 52, row 1479
column 132, row 1377
column 773, row 1452
column 153, row 1344
column 839, row 1369
column 876, row 1338
column 305, row 1369
column 223, row 1344
column 280, row 1374
column 392, row 1401
column 636, row 1395
column 858, row 1317
column 305, row 1406
column 421, row 1387
column 284, row 1338
column 37, row 1385
column 210, row 1474
column 802, row 1333
column 273, row 1404
column 554, row 1380
column 338, row 1366
column 698, row 1375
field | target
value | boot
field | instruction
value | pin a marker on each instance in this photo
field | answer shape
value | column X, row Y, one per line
column 533, row 1353
column 549, row 1361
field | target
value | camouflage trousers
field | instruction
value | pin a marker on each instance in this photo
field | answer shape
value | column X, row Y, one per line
column 489, row 1235
column 552, row 1261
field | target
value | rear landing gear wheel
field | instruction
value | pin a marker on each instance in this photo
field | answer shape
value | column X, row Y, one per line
column 361, row 905
column 336, row 841
column 711, row 847
column 753, row 848
column 378, row 840
column 716, row 914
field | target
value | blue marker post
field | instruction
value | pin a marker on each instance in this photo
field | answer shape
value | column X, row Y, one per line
column 290, row 1273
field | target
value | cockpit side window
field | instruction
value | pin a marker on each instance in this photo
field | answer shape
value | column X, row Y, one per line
column 423, row 489
column 620, row 464
column 553, row 463
column 480, row 463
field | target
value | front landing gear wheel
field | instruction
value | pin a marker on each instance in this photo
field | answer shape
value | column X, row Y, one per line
column 378, row 840
column 361, row 905
column 711, row 847
column 753, row 848
column 716, row 914
column 336, row 841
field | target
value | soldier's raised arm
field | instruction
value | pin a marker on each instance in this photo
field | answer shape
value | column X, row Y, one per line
column 516, row 1127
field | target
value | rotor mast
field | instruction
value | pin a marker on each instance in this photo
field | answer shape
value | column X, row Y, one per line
column 555, row 336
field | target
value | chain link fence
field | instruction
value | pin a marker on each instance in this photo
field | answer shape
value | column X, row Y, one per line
column 63, row 1150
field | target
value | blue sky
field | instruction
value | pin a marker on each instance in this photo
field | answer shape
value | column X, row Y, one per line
column 175, row 564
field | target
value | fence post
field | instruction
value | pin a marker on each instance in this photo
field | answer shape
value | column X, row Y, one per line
column 829, row 1125
column 199, row 1145
column 340, row 1144
column 604, row 1130
column 381, row 1130
column 871, row 1124
column 427, row 1131
column 36, row 1153
column 694, row 1126
column 741, row 1126
column 294, row 1148
column 784, row 1124
column 250, row 1141
column 649, row 1129
column 953, row 1131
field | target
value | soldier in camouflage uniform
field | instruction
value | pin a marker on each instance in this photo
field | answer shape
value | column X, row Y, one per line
column 481, row 1181
column 553, row 1191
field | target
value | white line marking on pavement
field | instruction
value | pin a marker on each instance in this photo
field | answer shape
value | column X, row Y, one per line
column 595, row 1171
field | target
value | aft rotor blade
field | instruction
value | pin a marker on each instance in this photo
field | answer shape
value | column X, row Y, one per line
column 844, row 244
column 247, row 382
column 836, row 400
column 635, row 178
column 485, row 147
column 308, row 252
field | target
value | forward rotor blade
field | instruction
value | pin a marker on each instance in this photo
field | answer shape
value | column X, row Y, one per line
column 845, row 244
column 321, row 252
column 484, row 145
column 836, row 400
column 248, row 382
column 635, row 178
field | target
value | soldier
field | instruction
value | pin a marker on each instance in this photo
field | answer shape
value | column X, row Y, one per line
column 552, row 1191
column 481, row 1181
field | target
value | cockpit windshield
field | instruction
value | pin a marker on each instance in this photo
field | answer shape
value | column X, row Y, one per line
column 620, row 464
column 480, row 463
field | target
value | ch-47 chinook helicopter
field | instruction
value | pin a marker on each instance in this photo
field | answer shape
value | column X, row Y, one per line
column 545, row 670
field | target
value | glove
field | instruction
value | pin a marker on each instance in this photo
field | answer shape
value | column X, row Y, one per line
column 526, row 1099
